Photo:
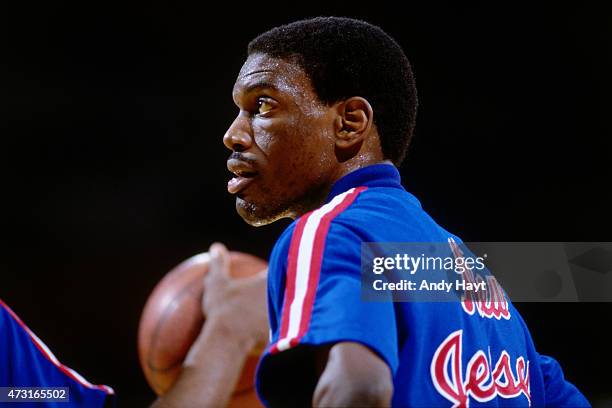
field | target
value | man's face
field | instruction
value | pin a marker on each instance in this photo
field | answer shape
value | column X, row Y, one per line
column 282, row 142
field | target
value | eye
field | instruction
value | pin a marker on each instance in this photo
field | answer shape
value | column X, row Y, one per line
column 264, row 105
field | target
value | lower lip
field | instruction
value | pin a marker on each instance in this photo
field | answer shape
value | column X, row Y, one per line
column 237, row 184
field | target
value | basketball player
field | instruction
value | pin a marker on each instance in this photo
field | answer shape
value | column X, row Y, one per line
column 25, row 361
column 327, row 107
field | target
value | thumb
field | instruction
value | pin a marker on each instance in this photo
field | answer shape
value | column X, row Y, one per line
column 219, row 262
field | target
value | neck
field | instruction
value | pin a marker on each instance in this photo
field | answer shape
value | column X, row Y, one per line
column 316, row 199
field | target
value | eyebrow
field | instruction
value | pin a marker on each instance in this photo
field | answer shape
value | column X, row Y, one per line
column 254, row 86
column 259, row 71
column 259, row 85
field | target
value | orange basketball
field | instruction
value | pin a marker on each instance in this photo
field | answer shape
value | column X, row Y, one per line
column 172, row 319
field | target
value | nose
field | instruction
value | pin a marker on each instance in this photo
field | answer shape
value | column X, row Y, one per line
column 238, row 137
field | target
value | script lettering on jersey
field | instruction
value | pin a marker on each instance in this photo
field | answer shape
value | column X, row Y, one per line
column 481, row 380
column 490, row 303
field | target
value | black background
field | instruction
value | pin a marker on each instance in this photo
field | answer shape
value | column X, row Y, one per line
column 113, row 169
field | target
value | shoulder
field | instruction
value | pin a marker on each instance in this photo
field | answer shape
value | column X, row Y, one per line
column 330, row 220
column 8, row 319
column 329, row 228
column 361, row 214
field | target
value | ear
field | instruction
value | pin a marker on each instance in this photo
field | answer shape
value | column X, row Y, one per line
column 353, row 124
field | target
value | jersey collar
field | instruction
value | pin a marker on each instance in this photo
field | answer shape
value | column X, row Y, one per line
column 375, row 175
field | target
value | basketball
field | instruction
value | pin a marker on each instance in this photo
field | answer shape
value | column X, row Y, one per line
column 172, row 320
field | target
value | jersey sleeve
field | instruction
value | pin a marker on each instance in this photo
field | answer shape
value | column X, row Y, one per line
column 27, row 362
column 558, row 391
column 314, row 295
column 322, row 299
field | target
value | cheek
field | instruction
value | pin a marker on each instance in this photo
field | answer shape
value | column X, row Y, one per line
column 263, row 137
column 316, row 146
column 298, row 152
column 277, row 134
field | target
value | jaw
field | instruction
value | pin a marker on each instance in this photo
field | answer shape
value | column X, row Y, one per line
column 263, row 204
column 257, row 216
column 260, row 215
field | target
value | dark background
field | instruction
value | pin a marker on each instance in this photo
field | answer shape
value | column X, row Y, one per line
column 113, row 169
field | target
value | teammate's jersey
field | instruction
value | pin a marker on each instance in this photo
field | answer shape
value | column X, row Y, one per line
column 25, row 361
column 441, row 354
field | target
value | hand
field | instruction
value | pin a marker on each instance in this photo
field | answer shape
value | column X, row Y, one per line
column 238, row 304
column 236, row 321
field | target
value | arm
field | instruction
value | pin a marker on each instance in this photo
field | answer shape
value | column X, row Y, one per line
column 214, row 363
column 337, row 330
column 353, row 376
column 211, row 369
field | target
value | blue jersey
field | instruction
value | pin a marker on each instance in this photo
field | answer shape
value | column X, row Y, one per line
column 441, row 354
column 25, row 361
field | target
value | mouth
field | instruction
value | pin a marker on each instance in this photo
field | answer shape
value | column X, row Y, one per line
column 244, row 175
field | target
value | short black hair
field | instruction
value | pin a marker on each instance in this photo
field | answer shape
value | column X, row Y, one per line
column 344, row 57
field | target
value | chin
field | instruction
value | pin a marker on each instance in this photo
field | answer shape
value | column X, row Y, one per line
column 257, row 215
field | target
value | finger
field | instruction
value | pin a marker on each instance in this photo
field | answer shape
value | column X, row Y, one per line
column 219, row 263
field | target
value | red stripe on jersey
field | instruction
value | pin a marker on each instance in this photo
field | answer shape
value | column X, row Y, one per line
column 316, row 248
column 44, row 350
column 291, row 273
column 317, row 257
